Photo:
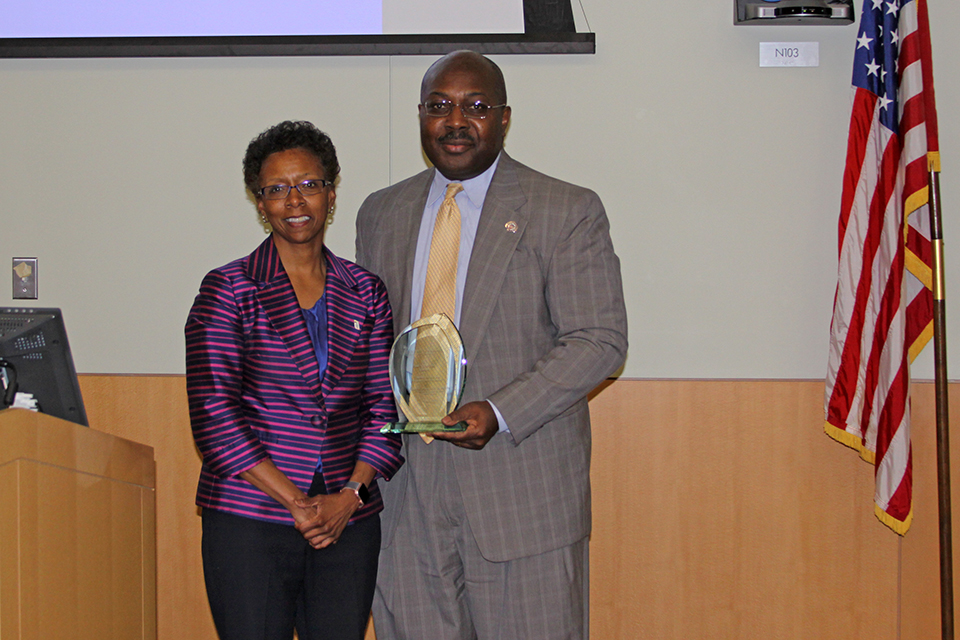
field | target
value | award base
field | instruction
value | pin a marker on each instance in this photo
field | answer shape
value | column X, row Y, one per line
column 422, row 427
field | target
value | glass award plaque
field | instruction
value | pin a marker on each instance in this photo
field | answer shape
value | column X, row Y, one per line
column 427, row 374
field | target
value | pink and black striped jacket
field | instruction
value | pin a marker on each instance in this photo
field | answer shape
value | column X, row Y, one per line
column 254, row 387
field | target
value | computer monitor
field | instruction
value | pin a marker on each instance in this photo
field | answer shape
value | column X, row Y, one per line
column 33, row 342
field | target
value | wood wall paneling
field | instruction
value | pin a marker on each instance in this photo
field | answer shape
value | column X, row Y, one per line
column 721, row 510
column 153, row 410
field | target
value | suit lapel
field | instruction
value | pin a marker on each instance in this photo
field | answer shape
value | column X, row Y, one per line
column 501, row 226
column 345, row 317
column 279, row 303
column 402, row 243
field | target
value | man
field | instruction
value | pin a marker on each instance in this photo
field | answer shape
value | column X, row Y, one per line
column 485, row 531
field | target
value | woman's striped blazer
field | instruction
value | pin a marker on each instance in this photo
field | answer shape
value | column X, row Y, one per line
column 254, row 387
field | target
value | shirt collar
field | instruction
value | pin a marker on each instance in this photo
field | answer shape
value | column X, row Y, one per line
column 475, row 188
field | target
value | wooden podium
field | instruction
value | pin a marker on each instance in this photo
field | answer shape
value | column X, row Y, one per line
column 77, row 532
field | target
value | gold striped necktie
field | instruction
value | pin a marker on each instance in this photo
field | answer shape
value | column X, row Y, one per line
column 440, row 288
column 439, row 293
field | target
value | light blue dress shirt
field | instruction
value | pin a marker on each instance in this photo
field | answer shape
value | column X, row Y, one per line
column 470, row 203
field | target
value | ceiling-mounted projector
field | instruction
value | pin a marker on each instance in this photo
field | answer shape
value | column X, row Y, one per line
column 793, row 12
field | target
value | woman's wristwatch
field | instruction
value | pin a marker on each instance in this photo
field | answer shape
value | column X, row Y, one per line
column 363, row 494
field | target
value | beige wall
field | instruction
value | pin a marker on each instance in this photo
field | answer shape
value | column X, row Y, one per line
column 721, row 510
column 722, row 180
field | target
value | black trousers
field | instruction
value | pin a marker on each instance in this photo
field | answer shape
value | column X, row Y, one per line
column 264, row 578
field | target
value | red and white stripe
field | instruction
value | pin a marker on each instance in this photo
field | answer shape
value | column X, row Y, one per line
column 883, row 306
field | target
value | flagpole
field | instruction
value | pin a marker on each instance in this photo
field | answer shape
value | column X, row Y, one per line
column 943, row 421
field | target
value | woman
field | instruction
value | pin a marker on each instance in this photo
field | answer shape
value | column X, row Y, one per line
column 288, row 383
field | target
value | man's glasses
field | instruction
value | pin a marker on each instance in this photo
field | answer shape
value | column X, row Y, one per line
column 280, row 191
column 475, row 110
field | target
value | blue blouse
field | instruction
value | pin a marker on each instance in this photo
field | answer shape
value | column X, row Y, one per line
column 316, row 319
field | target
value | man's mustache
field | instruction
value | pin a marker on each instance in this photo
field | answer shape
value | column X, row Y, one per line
column 455, row 135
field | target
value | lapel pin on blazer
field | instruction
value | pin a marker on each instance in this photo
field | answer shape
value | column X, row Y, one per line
column 511, row 226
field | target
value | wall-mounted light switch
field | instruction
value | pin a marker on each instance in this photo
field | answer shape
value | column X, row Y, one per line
column 24, row 278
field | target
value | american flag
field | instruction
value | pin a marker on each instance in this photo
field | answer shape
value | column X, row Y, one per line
column 883, row 309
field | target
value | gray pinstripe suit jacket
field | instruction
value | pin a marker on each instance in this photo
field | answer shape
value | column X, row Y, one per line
column 543, row 323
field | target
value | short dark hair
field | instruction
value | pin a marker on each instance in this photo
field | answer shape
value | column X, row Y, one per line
column 283, row 137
